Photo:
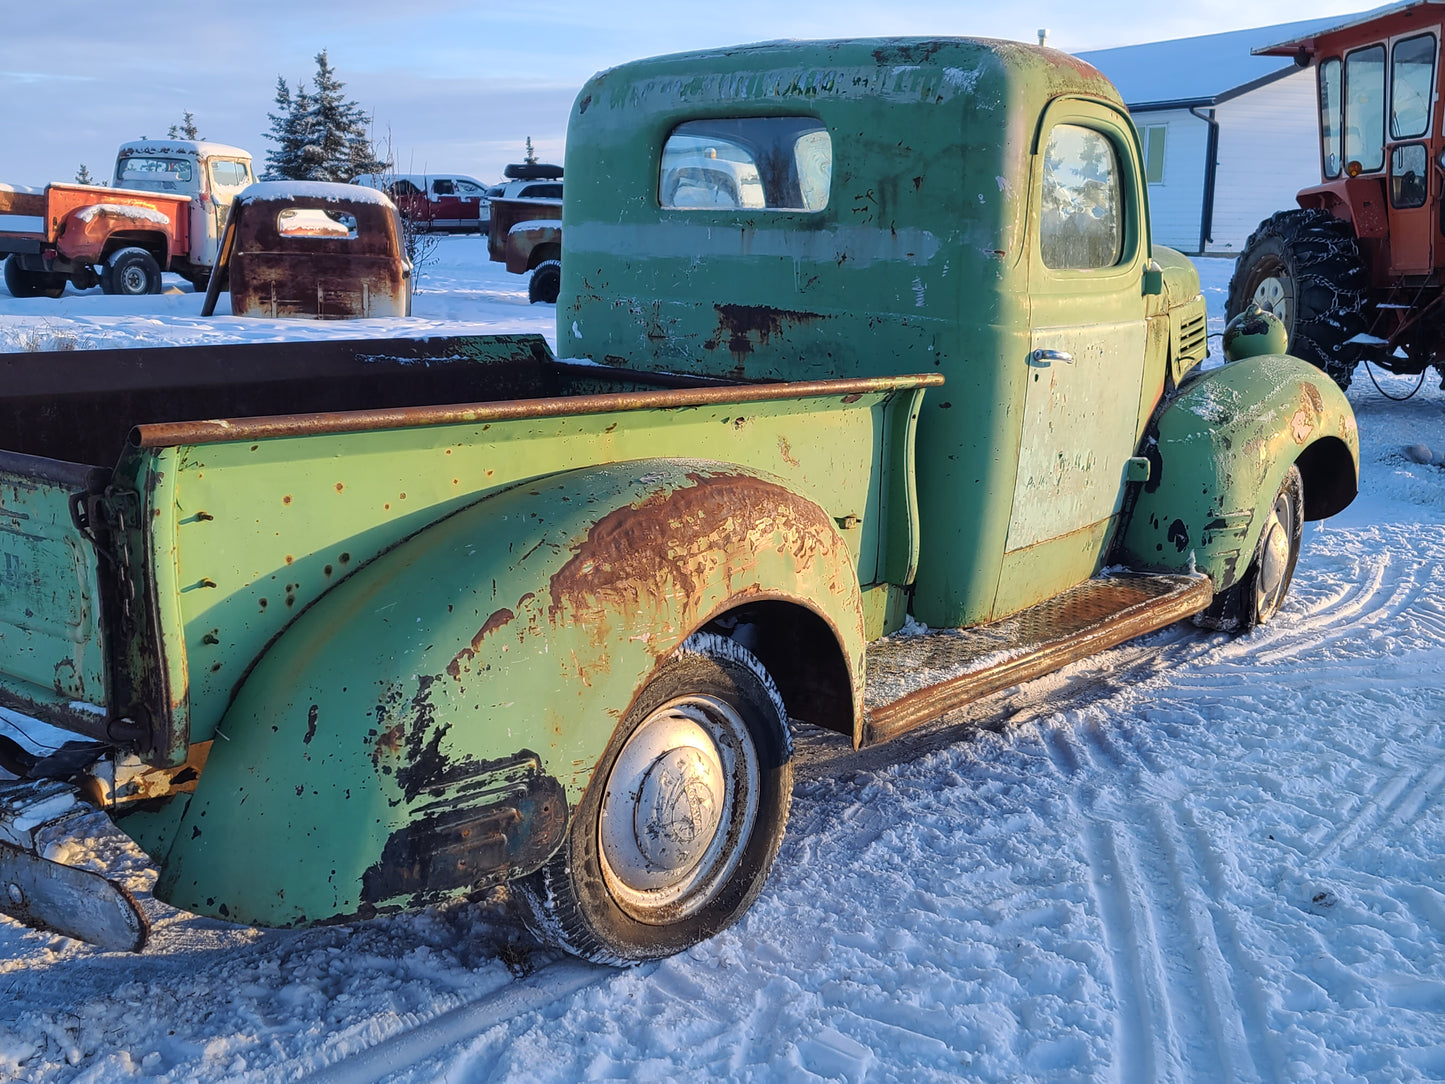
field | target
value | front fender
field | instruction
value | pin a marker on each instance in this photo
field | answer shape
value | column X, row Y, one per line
column 422, row 730
column 1218, row 453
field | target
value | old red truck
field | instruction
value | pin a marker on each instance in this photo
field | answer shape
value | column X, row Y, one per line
column 165, row 212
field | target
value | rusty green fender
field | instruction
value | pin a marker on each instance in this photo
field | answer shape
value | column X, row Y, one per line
column 1218, row 453
column 423, row 729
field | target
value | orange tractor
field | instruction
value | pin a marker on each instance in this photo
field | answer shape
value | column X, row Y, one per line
column 1357, row 272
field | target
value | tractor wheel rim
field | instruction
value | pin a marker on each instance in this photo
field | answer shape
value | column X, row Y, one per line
column 1272, row 296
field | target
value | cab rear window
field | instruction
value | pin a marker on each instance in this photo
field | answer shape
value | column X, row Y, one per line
column 756, row 163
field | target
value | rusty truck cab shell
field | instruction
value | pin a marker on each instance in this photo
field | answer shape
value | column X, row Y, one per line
column 341, row 256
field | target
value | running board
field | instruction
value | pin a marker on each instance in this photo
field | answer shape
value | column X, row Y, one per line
column 46, row 895
column 913, row 680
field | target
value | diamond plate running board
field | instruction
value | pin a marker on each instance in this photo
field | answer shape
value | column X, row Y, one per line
column 913, row 680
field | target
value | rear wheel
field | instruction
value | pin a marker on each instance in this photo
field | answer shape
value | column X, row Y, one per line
column 23, row 283
column 1304, row 266
column 546, row 282
column 131, row 272
column 675, row 836
column 1258, row 595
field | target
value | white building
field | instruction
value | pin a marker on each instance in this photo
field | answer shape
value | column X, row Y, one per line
column 1229, row 137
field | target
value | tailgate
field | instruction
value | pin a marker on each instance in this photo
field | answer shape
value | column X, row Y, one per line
column 52, row 660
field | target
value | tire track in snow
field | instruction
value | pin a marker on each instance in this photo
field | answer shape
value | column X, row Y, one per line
column 1399, row 799
column 1179, row 979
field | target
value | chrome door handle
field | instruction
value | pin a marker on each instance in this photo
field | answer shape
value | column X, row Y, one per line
column 1042, row 359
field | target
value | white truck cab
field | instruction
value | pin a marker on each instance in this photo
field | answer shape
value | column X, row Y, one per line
column 210, row 173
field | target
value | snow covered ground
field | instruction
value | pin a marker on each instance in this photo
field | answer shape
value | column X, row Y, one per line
column 1192, row 858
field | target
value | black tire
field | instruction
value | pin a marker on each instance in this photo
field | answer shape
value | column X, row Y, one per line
column 23, row 283
column 131, row 272
column 674, row 837
column 1305, row 267
column 546, row 282
column 1257, row 596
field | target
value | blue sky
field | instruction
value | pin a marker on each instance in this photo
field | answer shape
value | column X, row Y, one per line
column 457, row 86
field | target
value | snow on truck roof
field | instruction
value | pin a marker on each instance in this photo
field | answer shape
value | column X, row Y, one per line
column 191, row 148
column 280, row 191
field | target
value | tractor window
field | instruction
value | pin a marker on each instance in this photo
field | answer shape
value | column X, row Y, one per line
column 1365, row 108
column 1082, row 224
column 1330, row 117
column 1409, row 184
column 1412, row 78
column 778, row 163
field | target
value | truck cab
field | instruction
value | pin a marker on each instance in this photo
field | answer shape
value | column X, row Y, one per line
column 211, row 174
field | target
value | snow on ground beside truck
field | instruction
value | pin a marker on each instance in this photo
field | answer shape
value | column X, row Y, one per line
column 1189, row 858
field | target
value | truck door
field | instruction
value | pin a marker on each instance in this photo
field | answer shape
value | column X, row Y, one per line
column 225, row 177
column 1408, row 151
column 1088, row 249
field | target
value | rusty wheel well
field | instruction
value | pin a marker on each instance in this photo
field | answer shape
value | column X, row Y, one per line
column 542, row 253
column 154, row 243
column 1328, row 471
column 802, row 654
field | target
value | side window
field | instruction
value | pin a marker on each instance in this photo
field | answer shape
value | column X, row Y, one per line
column 401, row 188
column 1365, row 108
column 228, row 173
column 772, row 163
column 1330, row 117
column 1412, row 78
column 1409, row 185
column 1082, row 220
column 443, row 188
column 466, row 188
column 1154, row 152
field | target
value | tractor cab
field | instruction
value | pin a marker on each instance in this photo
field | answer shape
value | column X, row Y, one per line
column 1356, row 272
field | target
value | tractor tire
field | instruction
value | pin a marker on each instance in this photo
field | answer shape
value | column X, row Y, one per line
column 674, row 836
column 23, row 283
column 546, row 282
column 131, row 272
column 1304, row 266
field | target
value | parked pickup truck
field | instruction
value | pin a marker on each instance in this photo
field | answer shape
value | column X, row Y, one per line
column 341, row 629
column 165, row 213
column 526, row 235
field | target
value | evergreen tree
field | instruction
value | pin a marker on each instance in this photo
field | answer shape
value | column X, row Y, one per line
column 186, row 129
column 82, row 175
column 320, row 135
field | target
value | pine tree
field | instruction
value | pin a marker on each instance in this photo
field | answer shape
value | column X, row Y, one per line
column 82, row 175
column 320, row 135
column 186, row 129
column 289, row 131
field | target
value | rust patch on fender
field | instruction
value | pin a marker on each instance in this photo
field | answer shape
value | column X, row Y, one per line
column 499, row 619
column 661, row 555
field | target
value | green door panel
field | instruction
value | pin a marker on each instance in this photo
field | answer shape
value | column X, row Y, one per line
column 1219, row 452
column 54, row 661
column 472, row 675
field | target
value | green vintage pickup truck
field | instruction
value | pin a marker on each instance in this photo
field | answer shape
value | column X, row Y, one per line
column 856, row 330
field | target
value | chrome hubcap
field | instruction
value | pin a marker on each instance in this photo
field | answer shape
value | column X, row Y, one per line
column 133, row 280
column 1274, row 558
column 1271, row 296
column 679, row 805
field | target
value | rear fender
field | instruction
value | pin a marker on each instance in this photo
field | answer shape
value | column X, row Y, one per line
column 1219, row 451
column 423, row 729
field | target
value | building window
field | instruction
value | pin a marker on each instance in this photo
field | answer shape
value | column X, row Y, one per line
column 1154, row 153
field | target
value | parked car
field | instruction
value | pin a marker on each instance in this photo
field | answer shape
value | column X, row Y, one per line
column 435, row 201
column 312, row 249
